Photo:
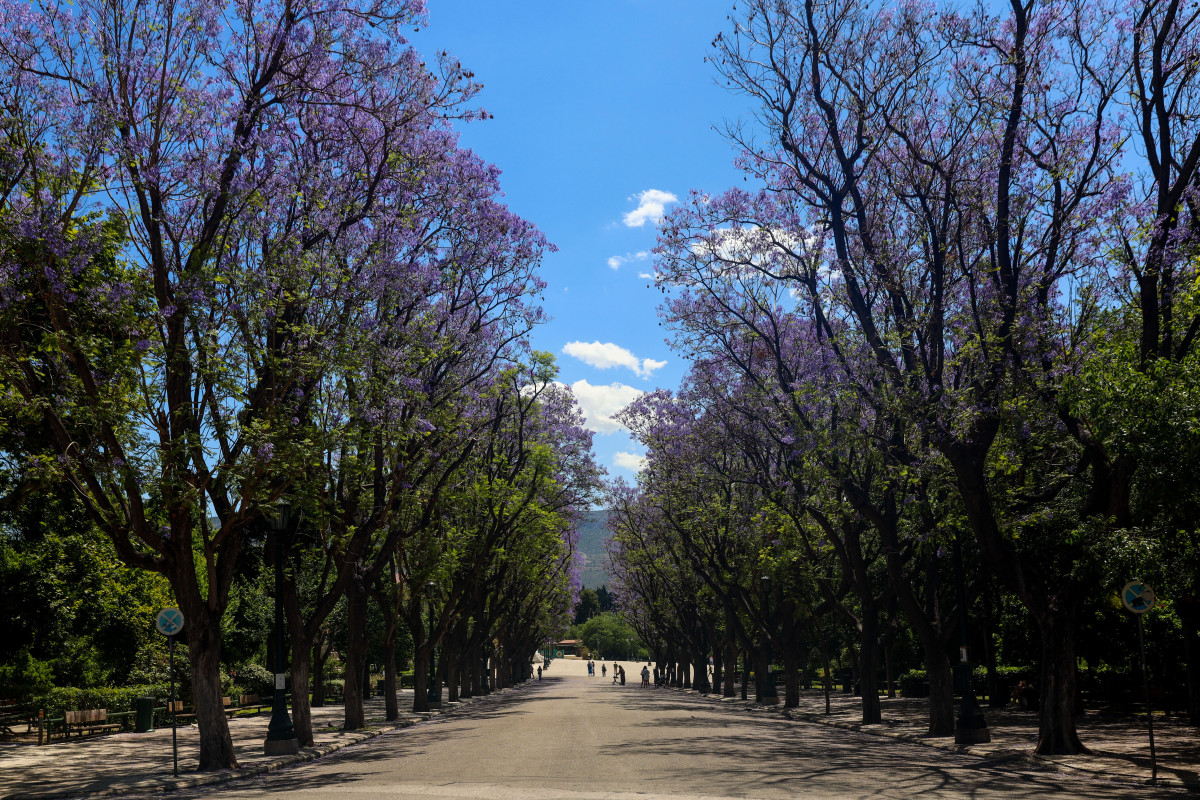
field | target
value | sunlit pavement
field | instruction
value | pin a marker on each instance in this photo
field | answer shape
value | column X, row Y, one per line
column 574, row 736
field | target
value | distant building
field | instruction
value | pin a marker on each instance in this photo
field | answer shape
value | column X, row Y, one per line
column 569, row 647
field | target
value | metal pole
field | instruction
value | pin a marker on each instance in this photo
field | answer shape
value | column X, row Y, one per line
column 174, row 727
column 1149, row 716
column 770, row 693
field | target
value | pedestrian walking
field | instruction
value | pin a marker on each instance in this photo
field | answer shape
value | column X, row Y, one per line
column 622, row 675
column 539, row 673
column 645, row 677
column 604, row 670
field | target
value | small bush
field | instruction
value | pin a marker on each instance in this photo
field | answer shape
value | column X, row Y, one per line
column 25, row 676
column 113, row 698
column 256, row 679
column 914, row 683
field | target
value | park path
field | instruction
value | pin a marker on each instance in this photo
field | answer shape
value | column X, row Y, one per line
column 576, row 737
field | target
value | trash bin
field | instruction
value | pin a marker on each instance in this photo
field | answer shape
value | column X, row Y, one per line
column 144, row 718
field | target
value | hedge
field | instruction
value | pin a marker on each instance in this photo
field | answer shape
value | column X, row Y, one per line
column 113, row 698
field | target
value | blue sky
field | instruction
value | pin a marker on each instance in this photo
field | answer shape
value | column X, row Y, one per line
column 603, row 112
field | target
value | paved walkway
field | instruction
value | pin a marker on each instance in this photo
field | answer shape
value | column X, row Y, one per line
column 1120, row 745
column 136, row 763
column 132, row 763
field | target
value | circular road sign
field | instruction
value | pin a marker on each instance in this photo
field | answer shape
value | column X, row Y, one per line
column 1137, row 597
column 169, row 621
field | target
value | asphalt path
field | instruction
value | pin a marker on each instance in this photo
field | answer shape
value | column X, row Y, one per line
column 582, row 738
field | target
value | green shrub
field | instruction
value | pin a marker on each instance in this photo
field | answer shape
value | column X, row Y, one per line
column 25, row 676
column 914, row 683
column 113, row 698
column 256, row 679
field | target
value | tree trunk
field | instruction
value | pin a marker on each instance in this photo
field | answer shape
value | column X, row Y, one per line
column 828, row 678
column 301, row 712
column 391, row 706
column 319, row 656
column 204, row 653
column 1054, row 608
column 868, row 662
column 700, row 667
column 420, row 680
column 764, row 689
column 439, row 677
column 1056, row 727
column 1189, row 612
column 790, row 642
column 450, row 662
column 996, row 697
column 452, row 679
column 730, row 666
column 791, row 677
column 718, row 680
column 887, row 669
column 941, row 694
column 356, row 655
column 685, row 675
column 469, row 668
column 745, row 674
column 479, row 685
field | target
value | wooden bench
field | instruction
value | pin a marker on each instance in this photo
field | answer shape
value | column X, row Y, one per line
column 16, row 714
column 91, row 720
column 176, row 708
column 252, row 702
column 181, row 715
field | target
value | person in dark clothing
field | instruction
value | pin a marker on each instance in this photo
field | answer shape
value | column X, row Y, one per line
column 622, row 676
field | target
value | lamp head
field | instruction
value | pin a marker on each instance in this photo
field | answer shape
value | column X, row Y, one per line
column 279, row 516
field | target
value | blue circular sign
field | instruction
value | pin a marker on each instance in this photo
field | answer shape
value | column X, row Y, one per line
column 169, row 621
column 1137, row 597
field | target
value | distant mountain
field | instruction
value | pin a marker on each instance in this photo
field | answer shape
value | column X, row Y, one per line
column 593, row 560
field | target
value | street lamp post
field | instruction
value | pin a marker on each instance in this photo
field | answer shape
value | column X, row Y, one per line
column 971, row 726
column 281, row 735
column 769, row 694
column 434, row 694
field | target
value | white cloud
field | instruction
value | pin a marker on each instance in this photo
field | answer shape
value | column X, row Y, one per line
column 600, row 403
column 615, row 262
column 647, row 275
column 605, row 355
column 649, row 366
column 630, row 461
column 652, row 205
column 772, row 250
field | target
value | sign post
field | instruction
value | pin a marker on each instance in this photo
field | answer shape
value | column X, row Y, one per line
column 1139, row 598
column 169, row 623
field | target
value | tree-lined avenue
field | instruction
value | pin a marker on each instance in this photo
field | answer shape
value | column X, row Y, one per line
column 581, row 738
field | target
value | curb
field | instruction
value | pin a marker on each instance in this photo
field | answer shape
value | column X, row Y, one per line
column 1002, row 757
column 151, row 786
